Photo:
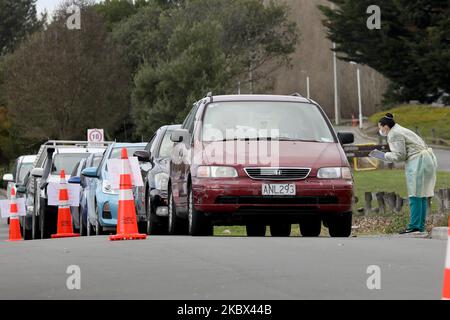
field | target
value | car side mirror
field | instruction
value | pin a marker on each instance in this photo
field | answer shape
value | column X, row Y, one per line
column 90, row 172
column 8, row 177
column 37, row 172
column 346, row 137
column 180, row 135
column 75, row 180
column 142, row 155
column 21, row 189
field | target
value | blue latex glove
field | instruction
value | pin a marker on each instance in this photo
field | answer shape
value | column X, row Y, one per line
column 377, row 154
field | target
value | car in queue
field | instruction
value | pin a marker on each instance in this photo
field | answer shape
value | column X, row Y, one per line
column 102, row 199
column 154, row 163
column 79, row 214
column 20, row 174
column 53, row 157
column 222, row 174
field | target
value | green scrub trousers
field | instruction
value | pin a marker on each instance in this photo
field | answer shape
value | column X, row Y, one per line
column 418, row 207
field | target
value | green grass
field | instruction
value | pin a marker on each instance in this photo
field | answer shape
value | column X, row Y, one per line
column 424, row 117
column 389, row 181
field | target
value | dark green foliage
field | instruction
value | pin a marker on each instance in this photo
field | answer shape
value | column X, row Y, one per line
column 412, row 48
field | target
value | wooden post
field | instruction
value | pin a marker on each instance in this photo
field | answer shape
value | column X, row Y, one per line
column 433, row 134
column 368, row 203
column 380, row 200
column 398, row 204
column 441, row 200
column 390, row 201
column 447, row 199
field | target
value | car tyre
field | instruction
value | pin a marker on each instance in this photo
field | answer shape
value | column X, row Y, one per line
column 98, row 226
column 340, row 225
column 153, row 226
column 175, row 225
column 256, row 229
column 311, row 226
column 198, row 223
column 280, row 229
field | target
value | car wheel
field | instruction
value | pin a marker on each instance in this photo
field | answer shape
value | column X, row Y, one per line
column 175, row 223
column 198, row 223
column 311, row 226
column 340, row 225
column 82, row 227
column 280, row 229
column 256, row 230
column 89, row 228
column 98, row 226
column 152, row 225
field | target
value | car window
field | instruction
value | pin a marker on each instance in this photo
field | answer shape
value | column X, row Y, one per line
column 150, row 144
column 265, row 119
column 66, row 161
column 75, row 169
column 96, row 160
column 165, row 150
column 117, row 152
column 24, row 169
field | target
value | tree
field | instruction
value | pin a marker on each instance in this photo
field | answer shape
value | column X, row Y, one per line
column 17, row 20
column 183, row 50
column 412, row 48
column 61, row 82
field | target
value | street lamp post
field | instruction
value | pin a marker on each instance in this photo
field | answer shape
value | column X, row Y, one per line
column 308, row 93
column 336, row 96
column 358, row 76
column 307, row 88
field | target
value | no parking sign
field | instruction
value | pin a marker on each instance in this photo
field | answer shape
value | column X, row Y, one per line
column 95, row 137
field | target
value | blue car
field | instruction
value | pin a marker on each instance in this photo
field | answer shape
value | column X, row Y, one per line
column 102, row 200
column 79, row 214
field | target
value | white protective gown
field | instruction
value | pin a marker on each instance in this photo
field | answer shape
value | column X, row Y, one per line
column 420, row 161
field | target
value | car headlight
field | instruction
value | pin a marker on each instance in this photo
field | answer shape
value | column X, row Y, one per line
column 161, row 181
column 107, row 188
column 216, row 172
column 335, row 173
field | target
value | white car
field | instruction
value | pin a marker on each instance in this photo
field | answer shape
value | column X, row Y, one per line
column 52, row 157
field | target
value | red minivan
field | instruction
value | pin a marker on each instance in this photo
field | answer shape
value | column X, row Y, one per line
column 259, row 160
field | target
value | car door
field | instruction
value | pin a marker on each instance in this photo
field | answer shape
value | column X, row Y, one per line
column 182, row 164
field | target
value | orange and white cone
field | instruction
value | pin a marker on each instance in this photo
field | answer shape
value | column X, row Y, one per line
column 65, row 227
column 446, row 288
column 14, row 225
column 127, row 228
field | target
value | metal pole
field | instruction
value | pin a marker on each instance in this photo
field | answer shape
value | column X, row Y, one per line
column 307, row 88
column 359, row 98
column 239, row 87
column 336, row 97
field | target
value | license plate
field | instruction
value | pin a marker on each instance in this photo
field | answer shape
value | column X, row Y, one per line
column 278, row 190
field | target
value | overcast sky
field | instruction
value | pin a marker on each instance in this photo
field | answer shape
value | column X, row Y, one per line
column 50, row 5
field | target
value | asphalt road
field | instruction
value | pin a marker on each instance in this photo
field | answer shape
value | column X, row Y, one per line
column 222, row 268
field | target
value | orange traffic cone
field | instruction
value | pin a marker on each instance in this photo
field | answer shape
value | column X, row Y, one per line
column 65, row 228
column 14, row 225
column 126, row 217
column 446, row 289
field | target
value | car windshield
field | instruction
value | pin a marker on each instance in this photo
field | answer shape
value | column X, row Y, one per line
column 23, row 171
column 264, row 120
column 166, row 148
column 116, row 152
column 67, row 161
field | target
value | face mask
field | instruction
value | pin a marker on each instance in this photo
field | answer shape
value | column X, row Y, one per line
column 382, row 133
